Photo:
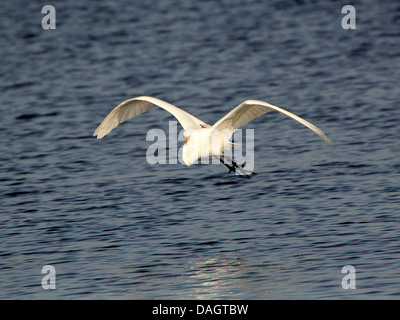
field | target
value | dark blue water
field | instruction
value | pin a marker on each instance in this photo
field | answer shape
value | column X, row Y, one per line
column 114, row 226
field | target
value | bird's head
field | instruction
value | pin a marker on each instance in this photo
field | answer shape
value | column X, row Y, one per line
column 189, row 150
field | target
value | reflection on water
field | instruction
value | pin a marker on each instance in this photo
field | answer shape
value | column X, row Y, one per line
column 217, row 277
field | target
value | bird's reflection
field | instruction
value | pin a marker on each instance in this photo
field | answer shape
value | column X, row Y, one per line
column 217, row 278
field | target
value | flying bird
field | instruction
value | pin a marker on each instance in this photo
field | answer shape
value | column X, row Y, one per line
column 201, row 139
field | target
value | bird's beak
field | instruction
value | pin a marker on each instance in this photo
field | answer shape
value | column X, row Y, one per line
column 187, row 139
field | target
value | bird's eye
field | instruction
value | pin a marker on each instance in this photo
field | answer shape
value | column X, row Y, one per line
column 186, row 139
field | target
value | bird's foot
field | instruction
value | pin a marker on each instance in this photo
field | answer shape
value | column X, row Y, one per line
column 231, row 168
column 238, row 169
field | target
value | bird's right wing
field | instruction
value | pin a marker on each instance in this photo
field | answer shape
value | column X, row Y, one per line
column 133, row 107
column 251, row 109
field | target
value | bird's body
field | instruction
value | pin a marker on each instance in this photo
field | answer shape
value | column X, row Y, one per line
column 202, row 140
column 204, row 143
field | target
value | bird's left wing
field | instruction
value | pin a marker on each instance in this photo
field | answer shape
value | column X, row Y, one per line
column 251, row 109
column 133, row 107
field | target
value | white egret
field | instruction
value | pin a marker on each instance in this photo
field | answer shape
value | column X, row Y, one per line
column 202, row 140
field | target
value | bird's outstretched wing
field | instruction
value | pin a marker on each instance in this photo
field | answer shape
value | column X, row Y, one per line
column 133, row 107
column 251, row 109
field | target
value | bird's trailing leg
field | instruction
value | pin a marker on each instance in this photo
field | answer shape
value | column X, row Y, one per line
column 231, row 168
column 234, row 167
